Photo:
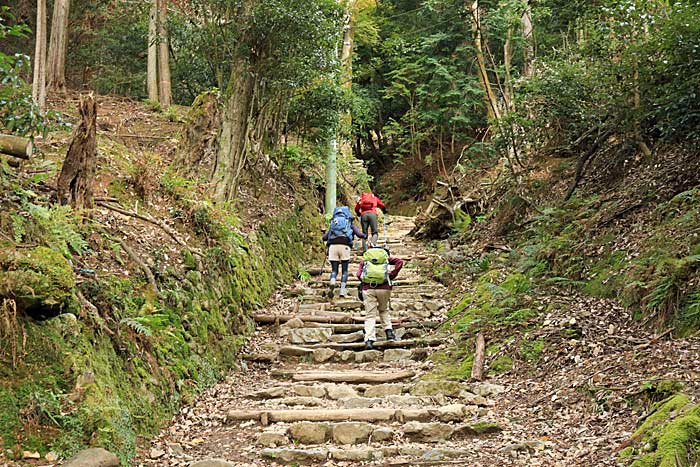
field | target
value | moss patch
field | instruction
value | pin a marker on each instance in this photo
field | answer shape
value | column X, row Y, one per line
column 669, row 435
column 39, row 280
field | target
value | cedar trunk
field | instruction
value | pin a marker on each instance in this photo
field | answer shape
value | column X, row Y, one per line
column 152, row 71
column 39, row 80
column 75, row 181
column 56, row 70
column 163, row 60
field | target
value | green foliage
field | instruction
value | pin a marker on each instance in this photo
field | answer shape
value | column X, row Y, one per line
column 18, row 112
column 668, row 435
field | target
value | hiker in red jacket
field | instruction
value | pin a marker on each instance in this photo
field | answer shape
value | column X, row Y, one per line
column 366, row 209
column 376, row 276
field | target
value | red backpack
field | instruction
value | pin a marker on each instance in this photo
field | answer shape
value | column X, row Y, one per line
column 368, row 202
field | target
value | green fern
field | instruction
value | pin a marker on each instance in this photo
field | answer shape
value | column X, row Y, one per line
column 304, row 275
column 19, row 229
column 137, row 326
column 56, row 226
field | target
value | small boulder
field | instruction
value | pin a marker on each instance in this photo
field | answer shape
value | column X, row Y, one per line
column 360, row 402
column 309, row 391
column 323, row 354
column 340, row 391
column 351, row 432
column 368, row 356
column 212, row 463
column 309, row 432
column 395, row 355
column 382, row 434
column 383, row 390
column 271, row 439
column 428, row 432
column 267, row 393
column 354, row 455
column 93, row 457
column 346, row 338
column 451, row 413
column 309, row 335
column 302, row 456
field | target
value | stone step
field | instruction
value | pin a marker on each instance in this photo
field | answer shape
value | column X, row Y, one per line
column 355, row 282
column 438, row 392
column 344, row 375
column 321, row 333
column 327, row 354
column 451, row 413
column 339, row 328
column 424, row 455
column 354, row 433
column 327, row 317
column 384, row 344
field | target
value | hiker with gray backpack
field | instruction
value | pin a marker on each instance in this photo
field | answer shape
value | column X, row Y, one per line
column 376, row 274
column 339, row 240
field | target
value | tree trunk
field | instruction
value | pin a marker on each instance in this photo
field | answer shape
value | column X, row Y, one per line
column 529, row 40
column 55, row 57
column 165, row 92
column 16, row 146
column 230, row 158
column 152, row 71
column 74, row 184
column 331, row 175
column 58, row 44
column 346, row 74
column 39, row 80
column 492, row 111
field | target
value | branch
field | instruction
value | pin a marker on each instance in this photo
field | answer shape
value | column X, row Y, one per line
column 144, row 267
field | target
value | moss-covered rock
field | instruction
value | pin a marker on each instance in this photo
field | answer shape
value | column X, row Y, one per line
column 40, row 281
column 667, row 436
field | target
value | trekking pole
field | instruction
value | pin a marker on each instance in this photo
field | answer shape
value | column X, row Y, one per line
column 386, row 243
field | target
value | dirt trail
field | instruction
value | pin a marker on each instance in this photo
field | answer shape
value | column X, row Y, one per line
column 307, row 392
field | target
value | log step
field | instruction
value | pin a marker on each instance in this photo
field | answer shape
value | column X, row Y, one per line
column 433, row 342
column 333, row 318
column 452, row 413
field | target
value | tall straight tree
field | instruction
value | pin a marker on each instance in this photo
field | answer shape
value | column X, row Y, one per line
column 230, row 158
column 152, row 72
column 56, row 66
column 164, row 88
column 492, row 110
column 39, row 81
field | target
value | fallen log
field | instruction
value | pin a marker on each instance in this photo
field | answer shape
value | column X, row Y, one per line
column 478, row 365
column 16, row 146
column 351, row 376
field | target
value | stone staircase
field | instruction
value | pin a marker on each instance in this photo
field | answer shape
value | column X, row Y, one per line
column 309, row 392
column 330, row 399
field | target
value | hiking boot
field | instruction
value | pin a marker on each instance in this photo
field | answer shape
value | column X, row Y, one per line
column 369, row 345
column 390, row 336
column 331, row 288
column 343, row 291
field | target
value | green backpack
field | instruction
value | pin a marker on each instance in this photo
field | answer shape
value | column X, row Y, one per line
column 376, row 268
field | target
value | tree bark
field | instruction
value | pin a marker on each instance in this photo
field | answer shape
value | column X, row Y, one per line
column 58, row 44
column 152, row 70
column 232, row 152
column 74, row 184
column 346, row 73
column 529, row 40
column 39, row 80
column 16, row 146
column 479, row 355
column 492, row 111
column 164, row 89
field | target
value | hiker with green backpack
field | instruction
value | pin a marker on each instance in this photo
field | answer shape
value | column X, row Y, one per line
column 339, row 240
column 376, row 275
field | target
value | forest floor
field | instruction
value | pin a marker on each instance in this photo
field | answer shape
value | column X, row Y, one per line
column 577, row 405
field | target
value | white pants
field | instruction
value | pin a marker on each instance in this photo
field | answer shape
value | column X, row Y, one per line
column 376, row 303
